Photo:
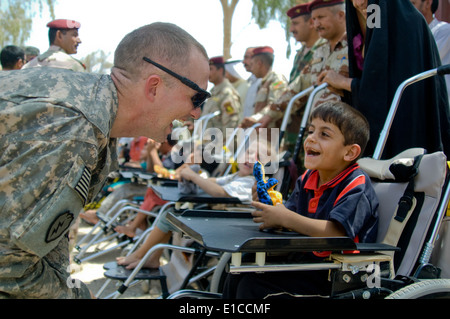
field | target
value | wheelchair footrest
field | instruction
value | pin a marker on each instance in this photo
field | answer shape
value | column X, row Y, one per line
column 121, row 273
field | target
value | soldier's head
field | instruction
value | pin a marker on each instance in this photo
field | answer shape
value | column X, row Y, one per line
column 329, row 18
column 262, row 61
column 64, row 33
column 162, row 73
column 216, row 70
column 301, row 27
column 12, row 58
column 31, row 53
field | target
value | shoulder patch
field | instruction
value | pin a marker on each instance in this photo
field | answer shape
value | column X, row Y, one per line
column 59, row 226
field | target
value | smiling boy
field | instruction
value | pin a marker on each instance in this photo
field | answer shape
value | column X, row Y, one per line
column 334, row 197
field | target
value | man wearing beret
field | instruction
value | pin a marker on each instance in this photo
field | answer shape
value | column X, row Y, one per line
column 224, row 98
column 302, row 28
column 64, row 40
column 272, row 86
column 329, row 21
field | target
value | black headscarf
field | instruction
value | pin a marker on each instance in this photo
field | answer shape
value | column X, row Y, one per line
column 402, row 47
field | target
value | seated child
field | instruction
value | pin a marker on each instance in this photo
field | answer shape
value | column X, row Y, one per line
column 235, row 185
column 334, row 197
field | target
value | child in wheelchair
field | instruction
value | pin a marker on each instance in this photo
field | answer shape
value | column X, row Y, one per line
column 333, row 198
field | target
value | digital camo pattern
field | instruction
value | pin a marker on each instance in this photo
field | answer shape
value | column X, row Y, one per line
column 54, row 127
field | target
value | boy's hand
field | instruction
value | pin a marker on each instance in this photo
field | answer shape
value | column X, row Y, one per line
column 270, row 216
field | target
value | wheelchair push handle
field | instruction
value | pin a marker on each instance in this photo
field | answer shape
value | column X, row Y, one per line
column 443, row 69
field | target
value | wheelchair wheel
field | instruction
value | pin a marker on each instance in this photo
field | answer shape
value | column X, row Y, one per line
column 427, row 289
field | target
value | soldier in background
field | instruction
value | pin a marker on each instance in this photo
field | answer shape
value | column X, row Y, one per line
column 31, row 53
column 64, row 41
column 272, row 86
column 224, row 98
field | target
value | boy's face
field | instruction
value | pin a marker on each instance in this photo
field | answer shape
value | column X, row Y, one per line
column 324, row 148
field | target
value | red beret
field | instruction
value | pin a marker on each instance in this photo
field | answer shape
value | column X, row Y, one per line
column 260, row 50
column 298, row 10
column 64, row 24
column 323, row 3
column 217, row 60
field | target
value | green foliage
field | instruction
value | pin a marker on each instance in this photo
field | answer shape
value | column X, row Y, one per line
column 16, row 18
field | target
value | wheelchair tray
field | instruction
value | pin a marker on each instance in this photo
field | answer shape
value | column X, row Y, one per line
column 172, row 194
column 236, row 232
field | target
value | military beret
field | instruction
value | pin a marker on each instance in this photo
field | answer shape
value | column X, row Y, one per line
column 260, row 50
column 216, row 60
column 323, row 3
column 298, row 10
column 64, row 24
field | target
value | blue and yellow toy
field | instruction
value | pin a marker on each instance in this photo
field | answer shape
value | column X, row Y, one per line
column 265, row 189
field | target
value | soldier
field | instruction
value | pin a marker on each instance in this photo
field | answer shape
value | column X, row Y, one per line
column 329, row 21
column 31, row 53
column 224, row 98
column 272, row 86
column 58, row 140
column 64, row 40
column 302, row 28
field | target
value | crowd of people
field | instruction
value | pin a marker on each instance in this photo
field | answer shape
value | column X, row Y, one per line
column 61, row 130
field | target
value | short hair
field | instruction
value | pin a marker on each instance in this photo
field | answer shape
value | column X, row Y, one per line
column 163, row 42
column 352, row 123
column 266, row 58
column 10, row 55
column 52, row 34
column 32, row 50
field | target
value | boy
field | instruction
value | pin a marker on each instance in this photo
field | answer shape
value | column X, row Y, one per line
column 334, row 197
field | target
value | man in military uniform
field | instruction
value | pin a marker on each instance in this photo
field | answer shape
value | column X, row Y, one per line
column 329, row 21
column 224, row 98
column 64, row 41
column 272, row 86
column 302, row 28
column 58, row 140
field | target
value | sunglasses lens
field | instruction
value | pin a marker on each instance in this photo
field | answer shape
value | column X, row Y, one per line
column 199, row 98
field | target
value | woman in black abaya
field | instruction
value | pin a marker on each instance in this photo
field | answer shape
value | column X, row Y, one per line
column 380, row 59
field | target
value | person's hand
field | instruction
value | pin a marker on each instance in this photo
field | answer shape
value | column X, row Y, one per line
column 247, row 122
column 264, row 121
column 269, row 216
column 336, row 82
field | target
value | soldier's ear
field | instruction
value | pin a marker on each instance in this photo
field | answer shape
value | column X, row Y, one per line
column 151, row 86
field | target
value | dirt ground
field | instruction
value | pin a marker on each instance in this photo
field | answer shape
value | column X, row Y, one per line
column 91, row 272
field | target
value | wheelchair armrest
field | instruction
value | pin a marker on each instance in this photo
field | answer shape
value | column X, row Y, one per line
column 372, row 247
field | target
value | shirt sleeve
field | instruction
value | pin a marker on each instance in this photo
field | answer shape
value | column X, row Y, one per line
column 355, row 209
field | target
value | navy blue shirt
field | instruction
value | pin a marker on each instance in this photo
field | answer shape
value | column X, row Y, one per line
column 348, row 199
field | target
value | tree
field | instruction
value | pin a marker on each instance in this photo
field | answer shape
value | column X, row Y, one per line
column 263, row 12
column 16, row 19
column 97, row 62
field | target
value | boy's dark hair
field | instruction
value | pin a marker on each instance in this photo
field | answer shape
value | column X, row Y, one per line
column 10, row 54
column 352, row 124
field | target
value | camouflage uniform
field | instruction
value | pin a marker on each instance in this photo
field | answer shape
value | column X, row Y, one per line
column 224, row 98
column 302, row 59
column 56, row 57
column 56, row 155
column 272, row 87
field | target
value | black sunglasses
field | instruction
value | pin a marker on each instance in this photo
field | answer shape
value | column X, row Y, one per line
column 199, row 98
